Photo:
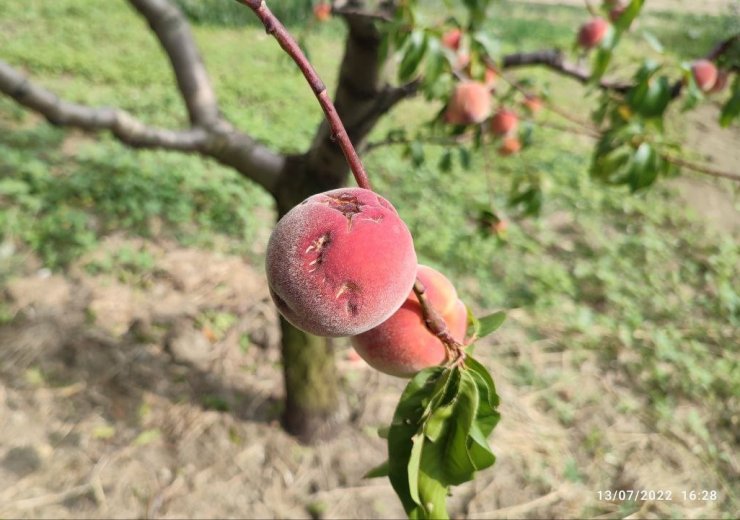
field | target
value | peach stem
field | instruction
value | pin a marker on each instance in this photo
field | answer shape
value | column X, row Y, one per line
column 289, row 45
column 437, row 325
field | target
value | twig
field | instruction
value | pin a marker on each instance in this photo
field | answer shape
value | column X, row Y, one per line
column 437, row 325
column 291, row 47
column 700, row 168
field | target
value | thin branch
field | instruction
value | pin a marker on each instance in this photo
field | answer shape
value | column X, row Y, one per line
column 700, row 168
column 123, row 125
column 436, row 324
column 223, row 143
column 554, row 60
column 722, row 47
column 274, row 27
column 173, row 32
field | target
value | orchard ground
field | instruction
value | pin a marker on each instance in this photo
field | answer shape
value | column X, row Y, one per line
column 139, row 366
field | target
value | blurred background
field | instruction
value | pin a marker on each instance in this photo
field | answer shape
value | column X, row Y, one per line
column 139, row 349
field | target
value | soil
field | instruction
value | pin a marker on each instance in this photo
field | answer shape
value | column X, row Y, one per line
column 126, row 396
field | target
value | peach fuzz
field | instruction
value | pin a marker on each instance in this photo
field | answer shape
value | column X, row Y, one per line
column 504, row 122
column 470, row 103
column 705, row 74
column 402, row 345
column 592, row 32
column 340, row 263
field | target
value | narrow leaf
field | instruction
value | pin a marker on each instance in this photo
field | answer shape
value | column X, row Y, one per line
column 490, row 323
column 378, row 471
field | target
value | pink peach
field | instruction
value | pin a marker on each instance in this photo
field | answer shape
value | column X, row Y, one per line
column 592, row 32
column 470, row 103
column 504, row 122
column 340, row 263
column 402, row 345
column 705, row 74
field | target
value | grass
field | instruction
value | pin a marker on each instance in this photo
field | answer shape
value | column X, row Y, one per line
column 628, row 278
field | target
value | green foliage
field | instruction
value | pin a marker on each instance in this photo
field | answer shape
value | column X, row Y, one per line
column 437, row 438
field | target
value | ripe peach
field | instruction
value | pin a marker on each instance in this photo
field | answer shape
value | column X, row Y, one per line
column 402, row 345
column 616, row 13
column 470, row 103
column 451, row 39
column 510, row 146
column 340, row 263
column 723, row 77
column 322, row 11
column 504, row 122
column 705, row 74
column 490, row 77
column 592, row 32
column 533, row 104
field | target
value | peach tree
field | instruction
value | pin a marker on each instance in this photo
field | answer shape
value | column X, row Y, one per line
column 341, row 262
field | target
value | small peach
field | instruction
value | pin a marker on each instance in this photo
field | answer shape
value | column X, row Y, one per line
column 592, row 32
column 402, row 345
column 340, row 263
column 504, row 122
column 705, row 74
column 510, row 146
column 470, row 103
column 451, row 39
column 533, row 104
column 490, row 77
column 322, row 11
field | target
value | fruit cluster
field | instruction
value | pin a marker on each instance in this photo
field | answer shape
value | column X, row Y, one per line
column 342, row 263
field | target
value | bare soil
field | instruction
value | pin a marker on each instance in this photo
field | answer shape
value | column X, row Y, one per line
column 118, row 399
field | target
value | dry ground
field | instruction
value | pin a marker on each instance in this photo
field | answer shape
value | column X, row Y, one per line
column 118, row 398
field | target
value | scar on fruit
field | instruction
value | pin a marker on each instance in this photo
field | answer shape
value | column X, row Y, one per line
column 318, row 247
column 350, row 291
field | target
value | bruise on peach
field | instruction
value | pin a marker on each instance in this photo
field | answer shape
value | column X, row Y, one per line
column 340, row 263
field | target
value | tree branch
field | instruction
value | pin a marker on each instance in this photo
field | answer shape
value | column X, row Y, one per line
column 173, row 32
column 123, row 125
column 274, row 27
column 223, row 143
column 554, row 60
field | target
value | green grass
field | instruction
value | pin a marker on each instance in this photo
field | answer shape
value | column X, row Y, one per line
column 601, row 271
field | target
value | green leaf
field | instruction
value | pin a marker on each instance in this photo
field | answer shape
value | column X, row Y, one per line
column 413, row 467
column 445, row 162
column 487, row 381
column 458, row 467
column 491, row 323
column 731, row 109
column 480, row 452
column 432, row 492
column 414, row 52
column 653, row 41
column 629, row 15
column 378, row 471
column 601, row 63
column 473, row 324
column 383, row 432
column 405, row 425
column 491, row 47
column 435, row 425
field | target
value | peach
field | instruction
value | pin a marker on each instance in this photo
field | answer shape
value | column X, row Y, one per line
column 490, row 77
column 451, row 39
column 504, row 122
column 592, row 32
column 616, row 13
column 340, row 263
column 533, row 104
column 510, row 146
column 705, row 74
column 402, row 345
column 322, row 11
column 470, row 103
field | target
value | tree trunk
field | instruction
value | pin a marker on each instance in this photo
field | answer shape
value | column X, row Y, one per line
column 311, row 381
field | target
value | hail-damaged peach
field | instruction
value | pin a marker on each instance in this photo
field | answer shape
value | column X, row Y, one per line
column 402, row 345
column 340, row 263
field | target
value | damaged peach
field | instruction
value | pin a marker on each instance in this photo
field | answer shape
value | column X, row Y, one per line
column 340, row 263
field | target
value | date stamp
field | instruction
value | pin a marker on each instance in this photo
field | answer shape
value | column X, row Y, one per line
column 635, row 495
column 657, row 495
